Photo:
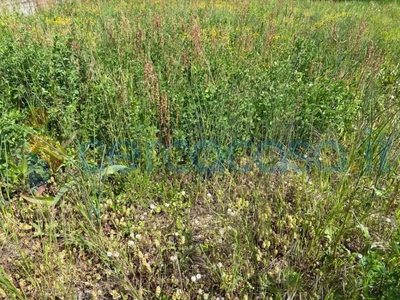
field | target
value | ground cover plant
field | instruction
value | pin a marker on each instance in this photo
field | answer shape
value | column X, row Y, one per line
column 200, row 150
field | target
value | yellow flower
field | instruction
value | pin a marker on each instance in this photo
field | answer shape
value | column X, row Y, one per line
column 58, row 20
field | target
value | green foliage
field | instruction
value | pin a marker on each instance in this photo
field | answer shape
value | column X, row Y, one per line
column 99, row 98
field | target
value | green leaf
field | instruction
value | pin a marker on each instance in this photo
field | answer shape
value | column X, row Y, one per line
column 379, row 192
column 63, row 190
column 41, row 200
column 364, row 230
column 112, row 170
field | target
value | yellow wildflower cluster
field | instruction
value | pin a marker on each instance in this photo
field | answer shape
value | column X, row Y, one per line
column 58, row 20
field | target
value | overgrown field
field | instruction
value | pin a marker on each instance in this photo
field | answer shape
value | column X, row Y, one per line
column 200, row 150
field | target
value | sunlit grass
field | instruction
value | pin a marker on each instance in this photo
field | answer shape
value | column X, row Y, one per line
column 295, row 194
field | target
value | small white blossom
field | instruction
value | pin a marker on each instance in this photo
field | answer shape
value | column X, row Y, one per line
column 193, row 278
column 200, row 291
column 183, row 193
column 131, row 243
column 205, row 296
column 173, row 258
column 116, row 254
column 109, row 254
column 209, row 195
column 230, row 212
column 166, row 204
column 198, row 276
column 392, row 97
column 138, row 236
column 152, row 206
column 219, row 265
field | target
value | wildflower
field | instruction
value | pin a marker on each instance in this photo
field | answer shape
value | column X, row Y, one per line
column 109, row 254
column 166, row 204
column 209, row 195
column 219, row 265
column 193, row 278
column 200, row 291
column 183, row 193
column 131, row 243
column 231, row 212
column 392, row 97
column 158, row 291
column 205, row 296
column 198, row 276
column 174, row 258
column 152, row 206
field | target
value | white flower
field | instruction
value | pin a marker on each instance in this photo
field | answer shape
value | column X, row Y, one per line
column 152, row 206
column 198, row 276
column 200, row 291
column 166, row 204
column 138, row 237
column 392, row 97
column 205, row 296
column 131, row 243
column 183, row 193
column 219, row 265
column 193, row 278
column 230, row 212
column 178, row 292
column 173, row 258
column 109, row 254
column 209, row 195
column 116, row 254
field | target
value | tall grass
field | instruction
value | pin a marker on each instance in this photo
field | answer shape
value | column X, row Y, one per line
column 260, row 138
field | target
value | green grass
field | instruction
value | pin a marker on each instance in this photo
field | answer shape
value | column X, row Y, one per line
column 261, row 139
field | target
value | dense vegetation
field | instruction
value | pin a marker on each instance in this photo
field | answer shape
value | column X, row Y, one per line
column 200, row 150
